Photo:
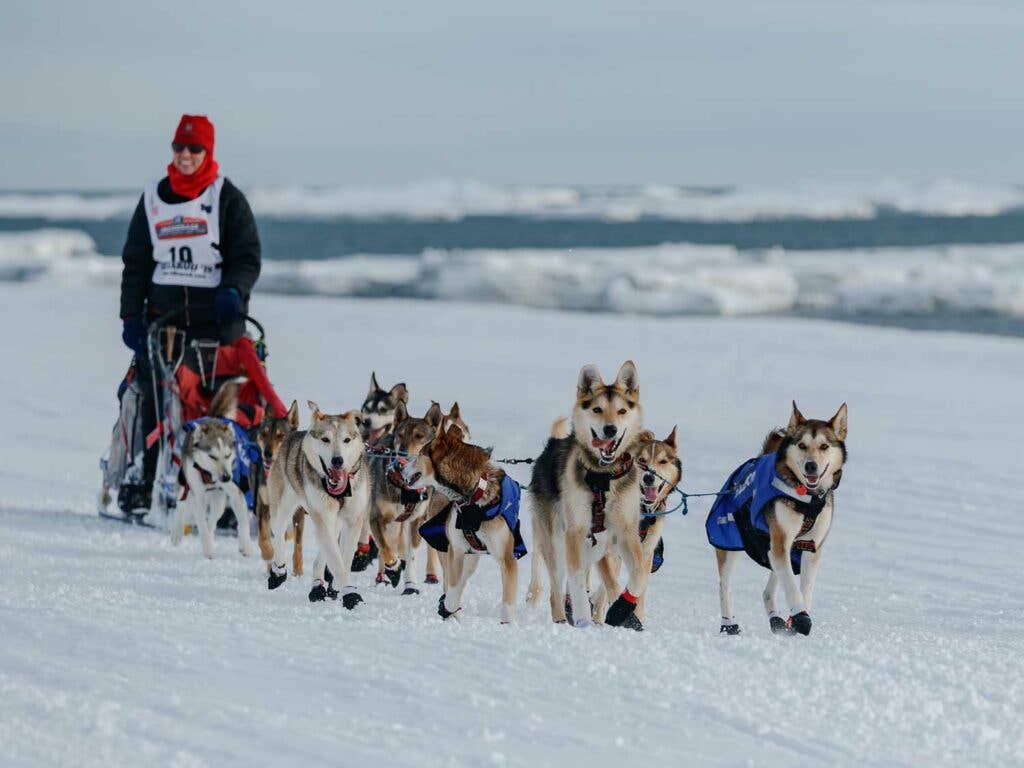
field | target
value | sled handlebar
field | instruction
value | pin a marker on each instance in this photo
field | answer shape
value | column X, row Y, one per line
column 160, row 321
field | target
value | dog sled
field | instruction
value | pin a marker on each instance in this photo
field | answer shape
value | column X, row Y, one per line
column 187, row 373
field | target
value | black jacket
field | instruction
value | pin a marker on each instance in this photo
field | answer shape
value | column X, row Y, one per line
column 239, row 249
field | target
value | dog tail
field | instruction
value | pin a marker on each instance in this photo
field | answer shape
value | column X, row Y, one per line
column 225, row 402
column 772, row 441
column 560, row 429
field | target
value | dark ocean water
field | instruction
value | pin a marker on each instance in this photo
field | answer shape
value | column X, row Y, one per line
column 323, row 238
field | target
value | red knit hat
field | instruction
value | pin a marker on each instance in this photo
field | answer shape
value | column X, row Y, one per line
column 195, row 129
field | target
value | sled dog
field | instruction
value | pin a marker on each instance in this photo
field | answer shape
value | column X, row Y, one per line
column 778, row 509
column 206, row 484
column 586, row 495
column 378, row 409
column 396, row 509
column 321, row 470
column 482, row 519
column 660, row 472
column 269, row 435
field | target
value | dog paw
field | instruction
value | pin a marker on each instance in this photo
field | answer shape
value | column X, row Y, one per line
column 318, row 593
column 779, row 626
column 410, row 590
column 351, row 600
column 275, row 580
column 801, row 623
column 620, row 610
column 731, row 629
column 432, row 579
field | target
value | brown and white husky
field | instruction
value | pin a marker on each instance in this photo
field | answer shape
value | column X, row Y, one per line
column 586, row 495
column 800, row 468
column 661, row 471
column 465, row 473
column 269, row 435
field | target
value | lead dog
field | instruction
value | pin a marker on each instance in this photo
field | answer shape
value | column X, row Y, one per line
column 778, row 509
column 661, row 471
column 206, row 485
column 321, row 471
column 586, row 496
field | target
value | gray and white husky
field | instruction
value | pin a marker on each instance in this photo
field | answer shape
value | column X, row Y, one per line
column 321, row 470
column 205, row 483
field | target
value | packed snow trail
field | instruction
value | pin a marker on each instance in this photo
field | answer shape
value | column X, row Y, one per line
column 119, row 649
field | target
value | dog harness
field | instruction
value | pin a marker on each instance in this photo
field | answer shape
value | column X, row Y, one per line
column 470, row 516
column 599, row 484
column 409, row 498
column 737, row 518
column 247, row 454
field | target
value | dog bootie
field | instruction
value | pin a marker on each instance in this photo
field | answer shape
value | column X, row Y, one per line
column 410, row 589
column 659, row 555
column 361, row 559
column 443, row 612
column 318, row 593
column 634, row 623
column 730, row 627
column 432, row 579
column 328, row 576
column 393, row 572
column 568, row 608
column 779, row 626
column 801, row 623
column 276, row 578
column 621, row 609
column 351, row 599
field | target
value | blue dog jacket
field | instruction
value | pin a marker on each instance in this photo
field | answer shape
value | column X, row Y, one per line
column 434, row 530
column 737, row 518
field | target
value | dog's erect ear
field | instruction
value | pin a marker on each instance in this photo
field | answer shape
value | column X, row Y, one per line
column 225, row 402
column 628, row 378
column 293, row 415
column 434, row 415
column 400, row 393
column 401, row 413
column 670, row 441
column 315, row 410
column 454, row 412
column 590, row 378
column 647, row 436
column 839, row 422
column 454, row 434
column 374, row 386
column 357, row 417
column 796, row 419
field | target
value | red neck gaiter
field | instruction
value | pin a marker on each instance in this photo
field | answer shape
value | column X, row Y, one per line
column 194, row 129
column 192, row 186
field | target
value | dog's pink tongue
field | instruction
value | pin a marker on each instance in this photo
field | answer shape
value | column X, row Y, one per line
column 650, row 493
column 602, row 444
column 338, row 480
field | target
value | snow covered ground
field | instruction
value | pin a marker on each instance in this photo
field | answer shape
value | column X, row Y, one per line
column 117, row 649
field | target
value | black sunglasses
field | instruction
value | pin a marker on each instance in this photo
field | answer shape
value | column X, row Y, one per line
column 195, row 149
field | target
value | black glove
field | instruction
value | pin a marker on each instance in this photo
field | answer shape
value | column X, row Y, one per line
column 133, row 333
column 227, row 305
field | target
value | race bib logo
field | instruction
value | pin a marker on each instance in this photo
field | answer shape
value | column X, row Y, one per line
column 180, row 226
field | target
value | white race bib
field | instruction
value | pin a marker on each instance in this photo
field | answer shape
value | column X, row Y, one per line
column 186, row 237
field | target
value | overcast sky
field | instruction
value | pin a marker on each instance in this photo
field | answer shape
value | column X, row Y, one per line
column 751, row 91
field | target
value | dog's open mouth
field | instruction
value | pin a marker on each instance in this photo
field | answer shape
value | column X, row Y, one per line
column 207, row 477
column 650, row 493
column 335, row 480
column 267, row 464
column 606, row 448
column 811, row 481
